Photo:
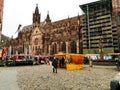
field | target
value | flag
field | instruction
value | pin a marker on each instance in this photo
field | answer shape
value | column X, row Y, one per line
column 3, row 52
column 18, row 28
column 6, row 52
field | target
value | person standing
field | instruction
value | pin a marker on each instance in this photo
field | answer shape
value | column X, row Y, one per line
column 54, row 64
column 90, row 62
column 63, row 62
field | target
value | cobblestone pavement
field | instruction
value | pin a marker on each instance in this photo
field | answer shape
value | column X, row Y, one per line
column 40, row 77
column 8, row 80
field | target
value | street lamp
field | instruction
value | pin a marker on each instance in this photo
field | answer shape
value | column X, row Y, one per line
column 101, row 49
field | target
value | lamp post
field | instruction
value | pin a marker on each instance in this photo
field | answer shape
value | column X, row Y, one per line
column 101, row 49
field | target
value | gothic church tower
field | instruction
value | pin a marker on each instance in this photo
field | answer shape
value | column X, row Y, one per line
column 36, row 16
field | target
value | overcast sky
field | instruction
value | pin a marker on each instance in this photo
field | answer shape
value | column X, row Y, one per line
column 20, row 12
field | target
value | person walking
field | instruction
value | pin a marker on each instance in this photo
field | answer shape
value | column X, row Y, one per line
column 54, row 64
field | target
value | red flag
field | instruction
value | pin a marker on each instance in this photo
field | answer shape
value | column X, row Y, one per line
column 3, row 52
column 6, row 51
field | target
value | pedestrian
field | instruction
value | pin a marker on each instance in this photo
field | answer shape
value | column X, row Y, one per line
column 63, row 61
column 60, row 62
column 90, row 62
column 47, row 61
column 118, row 64
column 54, row 64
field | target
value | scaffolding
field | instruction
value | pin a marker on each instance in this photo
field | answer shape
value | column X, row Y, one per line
column 98, row 27
column 116, row 22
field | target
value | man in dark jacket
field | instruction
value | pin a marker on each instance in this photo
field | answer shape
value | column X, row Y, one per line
column 54, row 64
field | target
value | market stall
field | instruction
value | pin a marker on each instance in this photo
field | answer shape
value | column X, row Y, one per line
column 71, row 61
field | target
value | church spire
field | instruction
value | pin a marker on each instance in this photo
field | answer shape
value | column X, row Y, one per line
column 78, row 17
column 48, row 18
column 36, row 15
column 37, row 9
column 68, row 23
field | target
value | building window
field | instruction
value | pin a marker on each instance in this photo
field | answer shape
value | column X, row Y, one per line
column 54, row 49
column 36, row 48
column 33, row 48
column 63, row 47
column 118, row 19
column 73, row 47
column 36, row 41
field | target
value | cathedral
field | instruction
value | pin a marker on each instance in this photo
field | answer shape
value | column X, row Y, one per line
column 97, row 31
column 48, row 38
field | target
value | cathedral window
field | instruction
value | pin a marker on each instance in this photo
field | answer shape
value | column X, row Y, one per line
column 63, row 47
column 73, row 47
column 36, row 48
column 36, row 41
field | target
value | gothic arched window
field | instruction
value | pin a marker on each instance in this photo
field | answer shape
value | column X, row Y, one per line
column 63, row 47
column 36, row 41
column 73, row 47
column 54, row 49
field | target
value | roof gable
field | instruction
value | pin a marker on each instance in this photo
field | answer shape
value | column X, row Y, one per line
column 36, row 31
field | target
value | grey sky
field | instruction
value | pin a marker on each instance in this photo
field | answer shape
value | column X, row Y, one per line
column 20, row 12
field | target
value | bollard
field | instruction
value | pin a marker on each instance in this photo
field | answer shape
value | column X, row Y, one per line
column 114, row 85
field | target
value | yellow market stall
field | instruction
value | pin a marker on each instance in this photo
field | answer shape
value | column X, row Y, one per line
column 77, row 62
column 72, row 61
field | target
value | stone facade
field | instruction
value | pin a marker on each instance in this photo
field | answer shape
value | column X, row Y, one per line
column 48, row 37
